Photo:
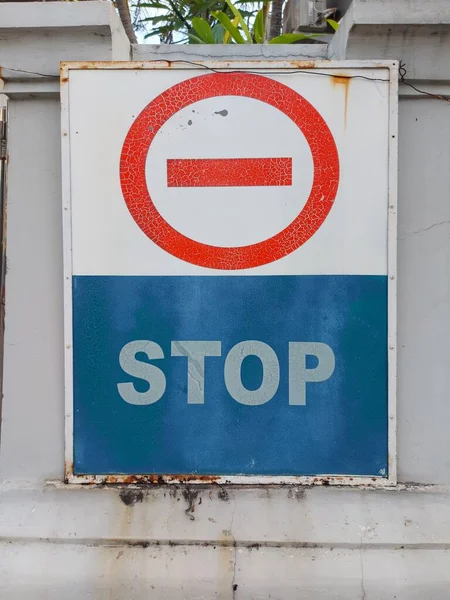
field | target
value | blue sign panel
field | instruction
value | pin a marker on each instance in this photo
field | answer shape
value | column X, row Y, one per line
column 267, row 375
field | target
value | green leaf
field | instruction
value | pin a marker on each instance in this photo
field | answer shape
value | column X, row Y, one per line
column 203, row 30
column 227, row 34
column 160, row 30
column 242, row 23
column 154, row 19
column 195, row 39
column 334, row 24
column 232, row 29
column 289, row 38
column 153, row 5
column 258, row 27
column 218, row 33
column 203, row 6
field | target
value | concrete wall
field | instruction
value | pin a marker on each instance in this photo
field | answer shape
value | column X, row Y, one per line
column 275, row 542
column 424, row 291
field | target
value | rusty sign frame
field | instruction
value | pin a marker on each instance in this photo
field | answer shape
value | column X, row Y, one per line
column 338, row 69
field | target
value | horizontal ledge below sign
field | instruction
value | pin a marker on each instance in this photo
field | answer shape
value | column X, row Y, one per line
column 333, row 517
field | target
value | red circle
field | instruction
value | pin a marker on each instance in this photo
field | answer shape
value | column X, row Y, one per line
column 300, row 111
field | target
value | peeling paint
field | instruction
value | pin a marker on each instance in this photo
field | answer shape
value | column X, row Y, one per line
column 249, row 85
column 227, row 172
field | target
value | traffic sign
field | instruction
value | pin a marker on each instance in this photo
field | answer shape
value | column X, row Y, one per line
column 207, row 172
column 229, row 313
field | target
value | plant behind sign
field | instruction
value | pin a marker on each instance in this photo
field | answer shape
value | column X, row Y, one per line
column 215, row 22
column 225, row 30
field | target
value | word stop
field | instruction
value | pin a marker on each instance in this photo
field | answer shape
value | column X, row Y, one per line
column 196, row 353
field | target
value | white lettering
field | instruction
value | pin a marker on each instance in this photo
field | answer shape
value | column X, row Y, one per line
column 142, row 370
column 271, row 373
column 299, row 374
column 197, row 351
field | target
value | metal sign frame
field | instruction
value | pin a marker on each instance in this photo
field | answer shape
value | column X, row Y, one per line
column 335, row 68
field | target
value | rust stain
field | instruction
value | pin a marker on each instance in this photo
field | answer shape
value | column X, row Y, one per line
column 68, row 470
column 63, row 74
column 164, row 63
column 187, row 478
column 155, row 479
column 343, row 80
column 303, row 64
column 340, row 78
column 161, row 480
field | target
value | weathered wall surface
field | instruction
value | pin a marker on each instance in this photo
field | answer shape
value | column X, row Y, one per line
column 243, row 543
column 418, row 34
column 424, row 290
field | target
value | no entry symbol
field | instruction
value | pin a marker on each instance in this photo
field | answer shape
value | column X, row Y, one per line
column 200, row 171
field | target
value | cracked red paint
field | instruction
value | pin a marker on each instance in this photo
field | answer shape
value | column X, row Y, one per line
column 285, row 99
column 224, row 172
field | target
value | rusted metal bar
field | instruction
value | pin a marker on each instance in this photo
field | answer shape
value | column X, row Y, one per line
column 3, row 157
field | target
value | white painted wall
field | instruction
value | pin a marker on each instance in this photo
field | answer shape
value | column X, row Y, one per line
column 424, row 290
column 33, row 417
